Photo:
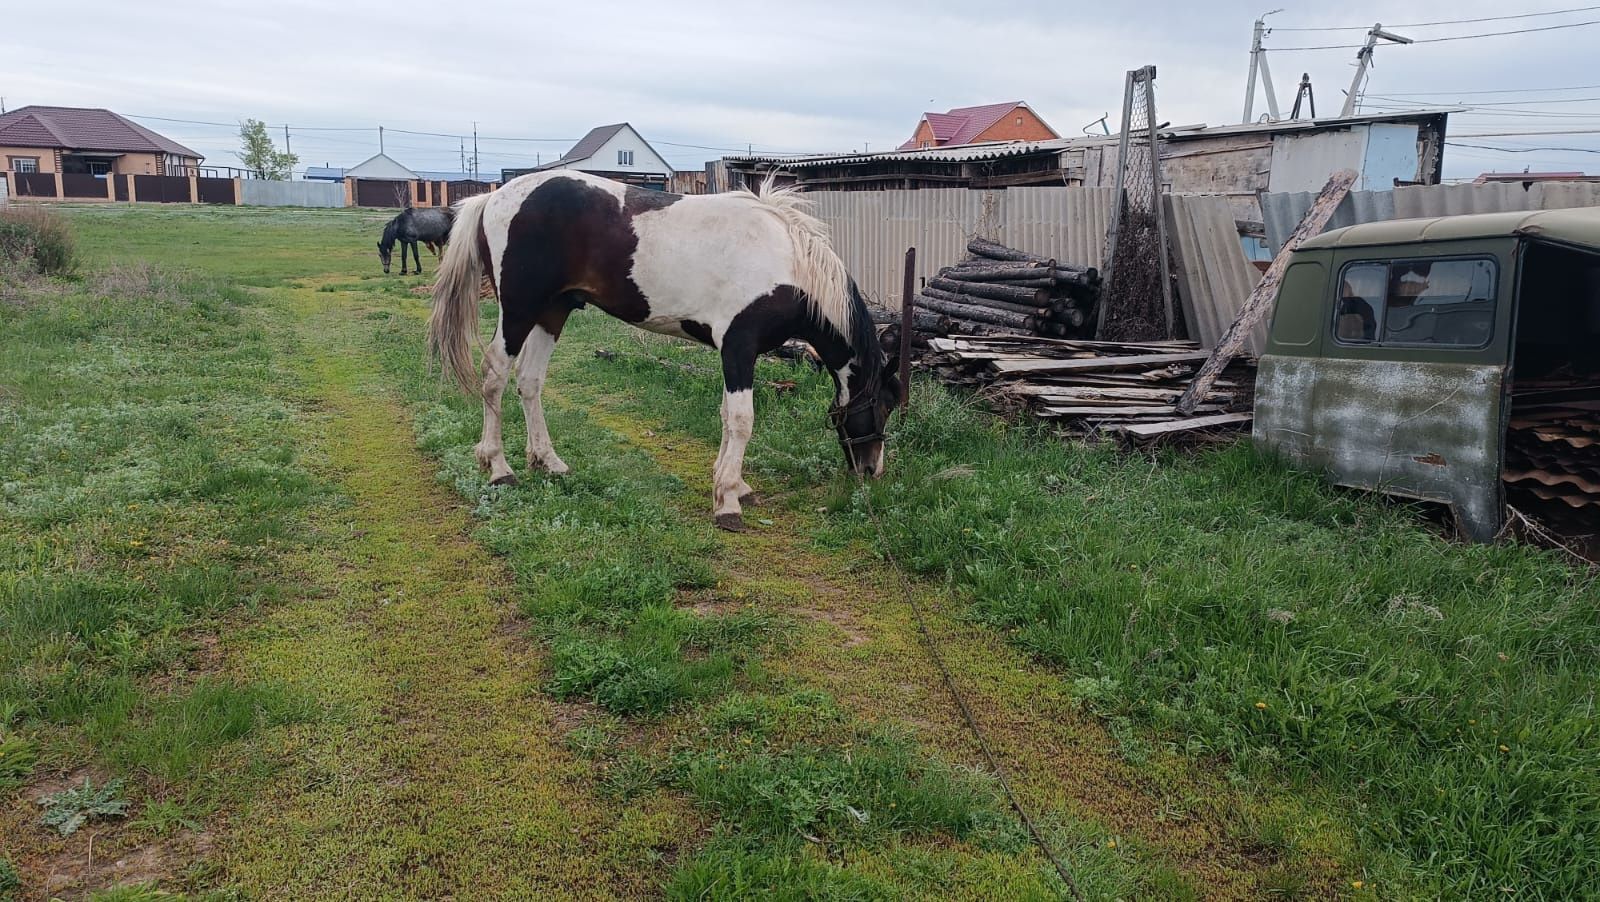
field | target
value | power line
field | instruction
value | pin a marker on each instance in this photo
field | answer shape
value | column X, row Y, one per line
column 1553, row 12
column 1552, row 131
column 1498, row 91
column 1395, row 98
column 1457, row 37
column 1525, row 149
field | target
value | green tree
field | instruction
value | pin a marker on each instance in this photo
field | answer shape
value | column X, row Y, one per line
column 257, row 152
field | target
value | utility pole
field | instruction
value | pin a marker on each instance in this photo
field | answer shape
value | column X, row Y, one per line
column 1364, row 63
column 286, row 140
column 1303, row 93
column 1258, row 63
column 475, row 152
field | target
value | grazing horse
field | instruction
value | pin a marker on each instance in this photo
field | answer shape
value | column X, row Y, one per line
column 430, row 226
column 742, row 272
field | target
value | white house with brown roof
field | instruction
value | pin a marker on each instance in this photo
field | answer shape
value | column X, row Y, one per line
column 615, row 152
column 75, row 140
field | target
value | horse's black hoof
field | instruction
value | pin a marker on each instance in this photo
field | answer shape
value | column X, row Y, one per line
column 729, row 522
column 508, row 479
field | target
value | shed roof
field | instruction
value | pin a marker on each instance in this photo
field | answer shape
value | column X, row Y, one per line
column 1580, row 225
column 80, row 128
column 380, row 166
column 992, row 150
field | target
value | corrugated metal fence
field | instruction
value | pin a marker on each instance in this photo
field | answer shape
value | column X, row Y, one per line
column 269, row 193
column 1283, row 211
column 872, row 229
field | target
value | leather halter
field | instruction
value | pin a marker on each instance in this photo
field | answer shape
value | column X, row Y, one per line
column 838, row 414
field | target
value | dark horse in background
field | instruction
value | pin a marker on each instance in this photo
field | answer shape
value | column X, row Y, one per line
column 430, row 226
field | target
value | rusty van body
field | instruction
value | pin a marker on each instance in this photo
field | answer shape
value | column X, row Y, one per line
column 1453, row 360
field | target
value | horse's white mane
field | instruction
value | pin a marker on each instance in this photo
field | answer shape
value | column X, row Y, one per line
column 818, row 270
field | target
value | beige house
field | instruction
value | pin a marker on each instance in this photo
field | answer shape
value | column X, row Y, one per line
column 94, row 142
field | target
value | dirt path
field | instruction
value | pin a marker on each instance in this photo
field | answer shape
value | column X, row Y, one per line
column 864, row 648
column 441, row 773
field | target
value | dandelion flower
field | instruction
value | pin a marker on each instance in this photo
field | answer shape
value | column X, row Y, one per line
column 1357, row 884
column 1261, row 706
column 1505, row 748
column 1111, row 844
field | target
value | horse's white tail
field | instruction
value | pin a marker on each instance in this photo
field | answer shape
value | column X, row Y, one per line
column 454, row 324
column 818, row 270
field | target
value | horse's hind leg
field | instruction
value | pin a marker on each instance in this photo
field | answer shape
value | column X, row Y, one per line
column 532, row 363
column 490, row 451
column 416, row 255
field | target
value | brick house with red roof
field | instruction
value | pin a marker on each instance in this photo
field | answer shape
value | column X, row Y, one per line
column 79, row 141
column 1014, row 121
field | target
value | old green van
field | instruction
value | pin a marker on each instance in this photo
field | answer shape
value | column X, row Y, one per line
column 1454, row 360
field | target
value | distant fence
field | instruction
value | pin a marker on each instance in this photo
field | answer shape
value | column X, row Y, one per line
column 205, row 189
column 269, row 193
column 872, row 229
column 1282, row 212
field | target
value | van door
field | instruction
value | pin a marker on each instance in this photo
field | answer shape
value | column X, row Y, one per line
column 1407, row 394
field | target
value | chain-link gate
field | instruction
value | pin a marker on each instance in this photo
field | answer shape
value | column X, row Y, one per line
column 1137, row 304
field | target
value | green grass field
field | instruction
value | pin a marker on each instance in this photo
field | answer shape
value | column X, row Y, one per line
column 254, row 589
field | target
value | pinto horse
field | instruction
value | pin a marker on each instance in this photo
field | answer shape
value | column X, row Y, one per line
column 431, row 226
column 742, row 272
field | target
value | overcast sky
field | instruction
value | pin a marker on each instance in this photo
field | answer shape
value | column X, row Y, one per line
column 793, row 76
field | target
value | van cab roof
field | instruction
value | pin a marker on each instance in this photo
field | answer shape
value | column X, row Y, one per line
column 1579, row 226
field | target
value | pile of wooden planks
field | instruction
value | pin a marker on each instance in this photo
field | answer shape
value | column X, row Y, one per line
column 1126, row 388
column 1553, row 445
column 1001, row 290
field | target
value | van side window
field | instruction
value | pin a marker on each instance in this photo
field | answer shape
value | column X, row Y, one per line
column 1419, row 301
column 1447, row 302
column 1362, row 287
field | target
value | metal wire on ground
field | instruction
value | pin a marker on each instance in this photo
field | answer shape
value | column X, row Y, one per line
column 961, row 703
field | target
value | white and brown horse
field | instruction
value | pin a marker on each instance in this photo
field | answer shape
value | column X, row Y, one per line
column 741, row 272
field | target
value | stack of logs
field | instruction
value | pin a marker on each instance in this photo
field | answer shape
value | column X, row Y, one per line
column 1126, row 388
column 1553, row 447
column 1001, row 290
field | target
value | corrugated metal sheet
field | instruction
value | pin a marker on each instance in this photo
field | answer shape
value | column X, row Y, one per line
column 1214, row 278
column 1067, row 224
column 1419, row 201
column 1451, row 200
column 1283, row 211
column 872, row 229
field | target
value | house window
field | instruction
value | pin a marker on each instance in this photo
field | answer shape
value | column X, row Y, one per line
column 624, row 158
column 24, row 164
column 99, row 168
column 1417, row 302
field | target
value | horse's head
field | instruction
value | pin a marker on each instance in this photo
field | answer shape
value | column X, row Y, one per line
column 391, row 231
column 869, row 399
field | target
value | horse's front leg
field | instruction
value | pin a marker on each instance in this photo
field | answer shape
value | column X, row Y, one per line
column 402, row 256
column 729, row 490
column 490, row 451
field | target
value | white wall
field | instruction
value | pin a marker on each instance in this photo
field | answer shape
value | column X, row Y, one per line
column 645, row 161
